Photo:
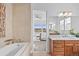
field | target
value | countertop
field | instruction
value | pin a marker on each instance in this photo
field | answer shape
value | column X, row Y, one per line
column 61, row 37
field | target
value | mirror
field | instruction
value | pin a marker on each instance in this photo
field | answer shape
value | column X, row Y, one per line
column 59, row 25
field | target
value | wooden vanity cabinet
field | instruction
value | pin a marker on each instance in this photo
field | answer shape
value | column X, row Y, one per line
column 64, row 48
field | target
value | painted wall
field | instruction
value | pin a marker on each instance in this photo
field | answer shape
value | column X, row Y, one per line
column 53, row 9
column 22, row 22
column 75, row 23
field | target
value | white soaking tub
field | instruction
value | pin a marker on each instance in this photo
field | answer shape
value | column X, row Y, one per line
column 16, row 49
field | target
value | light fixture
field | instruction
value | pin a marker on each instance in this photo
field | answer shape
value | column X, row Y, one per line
column 65, row 13
column 70, row 13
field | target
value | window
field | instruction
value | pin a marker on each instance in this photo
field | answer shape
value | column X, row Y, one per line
column 68, row 23
column 65, row 22
column 62, row 25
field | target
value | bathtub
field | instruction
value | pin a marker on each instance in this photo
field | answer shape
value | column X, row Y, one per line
column 16, row 49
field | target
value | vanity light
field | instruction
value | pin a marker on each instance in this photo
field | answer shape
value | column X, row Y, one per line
column 70, row 14
column 65, row 13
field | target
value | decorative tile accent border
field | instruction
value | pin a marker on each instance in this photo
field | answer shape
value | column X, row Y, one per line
column 2, row 20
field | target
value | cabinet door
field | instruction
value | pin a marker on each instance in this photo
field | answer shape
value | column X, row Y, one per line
column 68, row 50
column 76, row 50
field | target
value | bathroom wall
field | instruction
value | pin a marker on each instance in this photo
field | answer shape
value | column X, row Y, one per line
column 53, row 9
column 75, row 23
column 22, row 22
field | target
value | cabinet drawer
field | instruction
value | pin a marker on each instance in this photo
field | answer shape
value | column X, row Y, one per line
column 58, row 45
column 77, row 41
column 58, row 41
column 69, row 44
column 77, row 44
column 58, row 53
column 58, row 49
column 69, row 41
